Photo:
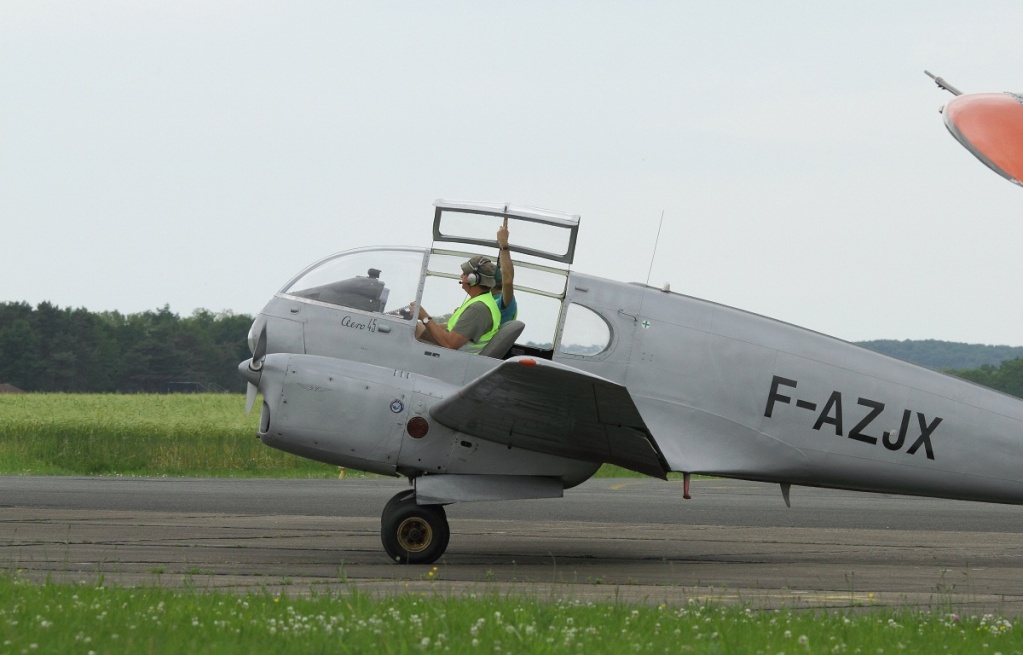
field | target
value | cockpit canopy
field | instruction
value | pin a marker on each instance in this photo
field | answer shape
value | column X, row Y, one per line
column 366, row 293
column 365, row 279
column 386, row 280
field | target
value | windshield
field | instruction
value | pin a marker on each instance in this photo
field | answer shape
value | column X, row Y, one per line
column 371, row 280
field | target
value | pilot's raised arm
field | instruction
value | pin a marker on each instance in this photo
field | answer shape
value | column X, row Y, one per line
column 476, row 321
column 504, row 289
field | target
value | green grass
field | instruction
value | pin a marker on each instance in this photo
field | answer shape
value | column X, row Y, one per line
column 144, row 435
column 176, row 435
column 59, row 618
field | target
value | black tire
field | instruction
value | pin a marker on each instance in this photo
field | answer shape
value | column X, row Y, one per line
column 411, row 533
column 398, row 498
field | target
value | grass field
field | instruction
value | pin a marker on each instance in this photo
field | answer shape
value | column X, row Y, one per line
column 91, row 618
column 190, row 435
column 144, row 435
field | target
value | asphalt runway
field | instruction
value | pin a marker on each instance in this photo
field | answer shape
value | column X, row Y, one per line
column 632, row 540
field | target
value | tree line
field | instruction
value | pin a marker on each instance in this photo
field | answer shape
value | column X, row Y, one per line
column 47, row 348
column 944, row 355
column 1006, row 377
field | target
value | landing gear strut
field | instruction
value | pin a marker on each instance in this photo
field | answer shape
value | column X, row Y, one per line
column 411, row 533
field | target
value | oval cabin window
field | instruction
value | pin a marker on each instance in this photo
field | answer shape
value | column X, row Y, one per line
column 585, row 334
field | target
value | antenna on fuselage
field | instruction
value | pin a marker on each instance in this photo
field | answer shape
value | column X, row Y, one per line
column 654, row 255
column 943, row 84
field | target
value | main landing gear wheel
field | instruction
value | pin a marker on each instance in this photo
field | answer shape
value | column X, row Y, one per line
column 411, row 533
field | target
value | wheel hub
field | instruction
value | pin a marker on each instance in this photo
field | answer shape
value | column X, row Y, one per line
column 414, row 534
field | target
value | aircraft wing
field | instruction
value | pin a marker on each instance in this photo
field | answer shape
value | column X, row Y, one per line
column 551, row 408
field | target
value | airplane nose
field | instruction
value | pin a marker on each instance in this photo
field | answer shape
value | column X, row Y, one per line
column 252, row 369
column 250, row 374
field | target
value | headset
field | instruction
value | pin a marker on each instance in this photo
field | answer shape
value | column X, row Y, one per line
column 476, row 276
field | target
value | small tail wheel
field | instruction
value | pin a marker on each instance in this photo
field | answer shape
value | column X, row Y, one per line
column 411, row 533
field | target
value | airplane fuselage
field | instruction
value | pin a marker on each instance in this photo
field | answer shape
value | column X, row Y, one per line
column 722, row 391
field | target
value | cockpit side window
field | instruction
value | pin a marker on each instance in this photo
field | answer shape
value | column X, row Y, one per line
column 539, row 291
column 585, row 333
column 367, row 280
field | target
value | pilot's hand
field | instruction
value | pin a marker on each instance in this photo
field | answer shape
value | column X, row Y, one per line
column 411, row 309
column 502, row 236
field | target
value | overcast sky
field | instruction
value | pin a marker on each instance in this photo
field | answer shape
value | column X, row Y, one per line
column 199, row 154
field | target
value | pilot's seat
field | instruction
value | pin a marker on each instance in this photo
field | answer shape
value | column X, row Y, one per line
column 501, row 343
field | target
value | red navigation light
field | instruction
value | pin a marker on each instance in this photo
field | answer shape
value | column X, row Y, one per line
column 417, row 427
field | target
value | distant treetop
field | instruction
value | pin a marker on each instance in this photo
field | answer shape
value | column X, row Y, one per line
column 943, row 355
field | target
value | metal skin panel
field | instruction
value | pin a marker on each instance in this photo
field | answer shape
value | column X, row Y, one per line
column 446, row 489
column 336, row 412
column 731, row 393
column 285, row 331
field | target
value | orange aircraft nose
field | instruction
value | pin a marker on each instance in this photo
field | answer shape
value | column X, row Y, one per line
column 990, row 125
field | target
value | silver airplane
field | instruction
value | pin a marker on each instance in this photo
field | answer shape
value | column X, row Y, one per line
column 595, row 372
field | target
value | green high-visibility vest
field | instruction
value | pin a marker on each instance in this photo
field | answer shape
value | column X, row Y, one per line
column 495, row 313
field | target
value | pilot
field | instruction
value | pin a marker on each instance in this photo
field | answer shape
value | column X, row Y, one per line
column 504, row 289
column 476, row 321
